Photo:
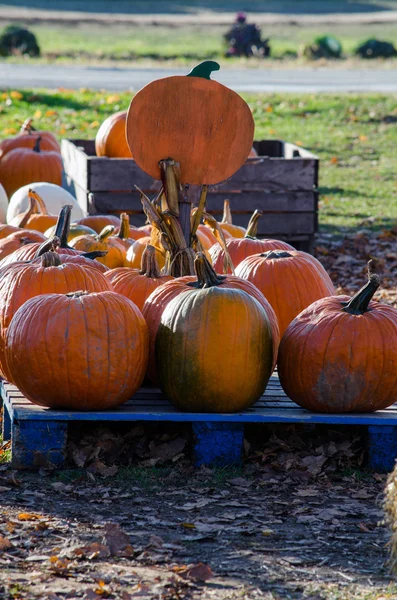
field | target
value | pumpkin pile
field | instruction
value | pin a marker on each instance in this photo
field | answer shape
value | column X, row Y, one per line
column 195, row 305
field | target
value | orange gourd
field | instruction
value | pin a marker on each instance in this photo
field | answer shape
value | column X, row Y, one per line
column 137, row 285
column 80, row 351
column 158, row 300
column 36, row 216
column 22, row 166
column 290, row 280
column 44, row 275
column 339, row 355
column 110, row 139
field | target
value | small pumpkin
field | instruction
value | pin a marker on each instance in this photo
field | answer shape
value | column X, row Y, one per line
column 227, row 222
column 110, row 139
column 210, row 322
column 133, row 258
column 135, row 284
column 240, row 248
column 290, row 280
column 44, row 275
column 36, row 216
column 88, row 243
column 98, row 222
column 22, row 166
column 206, row 277
column 80, row 351
column 27, row 138
column 339, row 355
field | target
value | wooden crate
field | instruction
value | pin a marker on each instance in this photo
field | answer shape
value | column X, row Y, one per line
column 282, row 182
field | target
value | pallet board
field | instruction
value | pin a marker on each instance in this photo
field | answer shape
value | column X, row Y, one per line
column 38, row 432
column 282, row 182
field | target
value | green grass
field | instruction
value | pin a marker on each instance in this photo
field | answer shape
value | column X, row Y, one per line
column 128, row 43
column 354, row 136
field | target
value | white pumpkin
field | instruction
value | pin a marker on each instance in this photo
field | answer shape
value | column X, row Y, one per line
column 3, row 204
column 54, row 197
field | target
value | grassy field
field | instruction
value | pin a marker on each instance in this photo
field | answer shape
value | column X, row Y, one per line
column 354, row 136
column 117, row 42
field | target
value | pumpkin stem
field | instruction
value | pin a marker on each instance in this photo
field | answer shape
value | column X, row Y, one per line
column 206, row 276
column 36, row 147
column 149, row 265
column 358, row 304
column 77, row 294
column 105, row 233
column 227, row 213
column 50, row 259
column 62, row 227
column 124, row 231
column 204, row 69
column 252, row 227
column 271, row 254
column 48, row 246
column 23, row 219
column 94, row 254
column 39, row 202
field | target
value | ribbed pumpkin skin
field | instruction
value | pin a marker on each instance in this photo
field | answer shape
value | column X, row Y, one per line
column 240, row 248
column 290, row 284
column 194, row 373
column 19, row 239
column 28, row 252
column 89, row 243
column 22, row 166
column 82, row 353
column 161, row 297
column 27, row 141
column 331, row 361
column 110, row 139
column 131, row 284
column 21, row 281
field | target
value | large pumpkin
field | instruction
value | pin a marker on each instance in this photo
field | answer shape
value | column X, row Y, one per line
column 135, row 284
column 204, row 126
column 53, row 196
column 110, row 139
column 206, row 276
column 22, row 166
column 45, row 275
column 339, row 355
column 214, row 350
column 240, row 248
column 290, row 280
column 80, row 351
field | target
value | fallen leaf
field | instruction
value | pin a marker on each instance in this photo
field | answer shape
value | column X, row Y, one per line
column 28, row 517
column 116, row 539
column 5, row 543
column 199, row 572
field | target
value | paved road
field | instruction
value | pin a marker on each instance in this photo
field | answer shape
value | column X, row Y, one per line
column 247, row 80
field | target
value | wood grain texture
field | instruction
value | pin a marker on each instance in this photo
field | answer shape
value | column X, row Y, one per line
column 200, row 123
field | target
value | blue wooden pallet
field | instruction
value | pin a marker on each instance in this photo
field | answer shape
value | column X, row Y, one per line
column 40, row 434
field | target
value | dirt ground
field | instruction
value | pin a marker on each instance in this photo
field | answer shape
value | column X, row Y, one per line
column 301, row 519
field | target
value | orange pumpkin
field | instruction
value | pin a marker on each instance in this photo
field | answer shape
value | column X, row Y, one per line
column 98, row 222
column 339, row 355
column 19, row 239
column 27, row 139
column 110, row 139
column 133, row 258
column 22, row 166
column 137, row 285
column 290, row 280
column 6, row 230
column 122, row 239
column 36, row 216
column 159, row 299
column 47, row 274
column 80, row 351
column 114, row 256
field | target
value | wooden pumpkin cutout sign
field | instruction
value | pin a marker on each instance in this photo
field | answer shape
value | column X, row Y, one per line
column 203, row 125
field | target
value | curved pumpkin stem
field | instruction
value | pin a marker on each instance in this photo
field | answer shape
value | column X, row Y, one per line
column 36, row 147
column 206, row 276
column 62, row 227
column 105, row 233
column 50, row 259
column 94, row 254
column 227, row 213
column 22, row 219
column 39, row 202
column 204, row 69
column 358, row 304
column 124, row 231
column 48, row 246
column 252, row 227
column 274, row 254
column 149, row 265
